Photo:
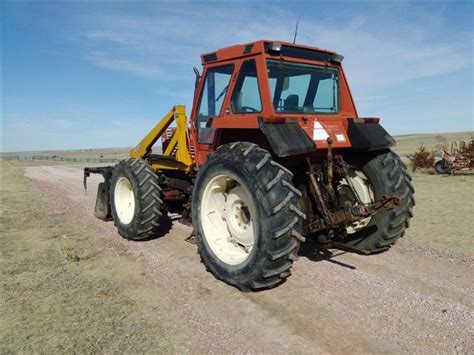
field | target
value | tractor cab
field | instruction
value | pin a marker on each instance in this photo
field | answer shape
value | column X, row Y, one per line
column 245, row 86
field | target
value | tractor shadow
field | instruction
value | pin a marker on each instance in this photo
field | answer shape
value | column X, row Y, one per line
column 313, row 251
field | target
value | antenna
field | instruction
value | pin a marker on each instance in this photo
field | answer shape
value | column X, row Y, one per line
column 296, row 29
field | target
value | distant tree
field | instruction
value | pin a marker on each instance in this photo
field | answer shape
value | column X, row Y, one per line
column 422, row 159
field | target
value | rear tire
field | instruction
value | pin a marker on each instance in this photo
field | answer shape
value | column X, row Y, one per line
column 272, row 202
column 441, row 168
column 135, row 199
column 388, row 176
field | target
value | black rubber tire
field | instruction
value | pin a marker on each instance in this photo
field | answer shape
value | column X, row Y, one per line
column 441, row 168
column 148, row 202
column 388, row 176
column 278, row 221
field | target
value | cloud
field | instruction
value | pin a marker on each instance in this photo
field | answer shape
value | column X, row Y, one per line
column 372, row 98
column 402, row 60
column 39, row 133
column 105, row 60
column 164, row 38
column 62, row 124
column 377, row 55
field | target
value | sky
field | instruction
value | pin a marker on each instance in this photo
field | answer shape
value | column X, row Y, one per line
column 101, row 74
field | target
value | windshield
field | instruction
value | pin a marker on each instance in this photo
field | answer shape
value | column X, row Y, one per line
column 302, row 88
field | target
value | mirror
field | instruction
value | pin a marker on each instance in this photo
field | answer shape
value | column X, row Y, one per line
column 198, row 76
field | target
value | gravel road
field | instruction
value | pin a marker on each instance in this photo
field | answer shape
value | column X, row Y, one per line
column 411, row 299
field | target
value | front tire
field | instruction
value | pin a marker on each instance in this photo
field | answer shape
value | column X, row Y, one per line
column 135, row 199
column 242, row 176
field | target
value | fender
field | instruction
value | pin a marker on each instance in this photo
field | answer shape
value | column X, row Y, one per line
column 371, row 136
column 287, row 139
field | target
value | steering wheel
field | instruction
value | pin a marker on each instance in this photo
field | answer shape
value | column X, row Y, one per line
column 249, row 109
column 205, row 119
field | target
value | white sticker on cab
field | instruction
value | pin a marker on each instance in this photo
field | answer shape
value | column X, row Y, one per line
column 319, row 133
column 340, row 138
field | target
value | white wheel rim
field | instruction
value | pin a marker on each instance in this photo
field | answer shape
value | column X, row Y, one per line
column 226, row 219
column 364, row 190
column 124, row 200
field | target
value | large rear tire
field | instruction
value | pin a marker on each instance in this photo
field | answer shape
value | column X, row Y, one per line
column 387, row 175
column 135, row 199
column 245, row 217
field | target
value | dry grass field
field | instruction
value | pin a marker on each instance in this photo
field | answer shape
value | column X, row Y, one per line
column 61, row 290
column 113, row 153
column 70, row 284
column 408, row 144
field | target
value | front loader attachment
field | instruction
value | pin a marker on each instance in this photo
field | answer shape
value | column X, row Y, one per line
column 175, row 156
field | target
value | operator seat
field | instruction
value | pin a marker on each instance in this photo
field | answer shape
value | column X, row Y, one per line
column 237, row 103
column 291, row 103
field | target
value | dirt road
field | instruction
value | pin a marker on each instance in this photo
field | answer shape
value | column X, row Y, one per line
column 411, row 299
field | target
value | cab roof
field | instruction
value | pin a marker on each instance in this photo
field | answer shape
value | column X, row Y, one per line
column 263, row 46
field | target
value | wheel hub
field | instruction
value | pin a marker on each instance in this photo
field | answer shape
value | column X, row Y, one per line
column 124, row 199
column 237, row 217
column 227, row 219
column 359, row 181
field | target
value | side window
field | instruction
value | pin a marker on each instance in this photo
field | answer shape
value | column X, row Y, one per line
column 246, row 95
column 215, row 88
column 212, row 97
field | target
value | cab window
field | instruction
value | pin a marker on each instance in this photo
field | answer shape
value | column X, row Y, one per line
column 212, row 96
column 303, row 88
column 246, row 96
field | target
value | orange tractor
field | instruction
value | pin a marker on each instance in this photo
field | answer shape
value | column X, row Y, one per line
column 274, row 153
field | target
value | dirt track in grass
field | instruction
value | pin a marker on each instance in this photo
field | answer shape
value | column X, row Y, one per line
column 412, row 299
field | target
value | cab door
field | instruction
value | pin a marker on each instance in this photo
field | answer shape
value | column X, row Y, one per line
column 246, row 98
column 246, row 102
column 214, row 89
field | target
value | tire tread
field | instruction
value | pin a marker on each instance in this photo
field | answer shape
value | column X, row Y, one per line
column 146, row 222
column 285, row 219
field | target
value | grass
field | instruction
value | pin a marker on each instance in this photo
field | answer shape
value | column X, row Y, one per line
column 116, row 153
column 64, row 292
column 408, row 144
column 443, row 212
column 444, row 203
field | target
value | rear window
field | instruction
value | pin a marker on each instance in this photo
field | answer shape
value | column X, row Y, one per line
column 303, row 88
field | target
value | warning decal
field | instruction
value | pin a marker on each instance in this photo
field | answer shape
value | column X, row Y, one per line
column 319, row 133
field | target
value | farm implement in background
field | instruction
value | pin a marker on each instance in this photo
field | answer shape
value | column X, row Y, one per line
column 459, row 159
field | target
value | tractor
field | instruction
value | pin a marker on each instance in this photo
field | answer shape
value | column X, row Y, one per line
column 274, row 154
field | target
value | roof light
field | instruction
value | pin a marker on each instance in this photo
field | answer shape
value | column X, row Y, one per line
column 337, row 58
column 274, row 46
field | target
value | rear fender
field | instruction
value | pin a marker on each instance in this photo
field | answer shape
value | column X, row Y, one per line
column 370, row 136
column 287, row 139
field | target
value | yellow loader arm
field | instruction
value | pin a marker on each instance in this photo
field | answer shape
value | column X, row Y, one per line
column 181, row 160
